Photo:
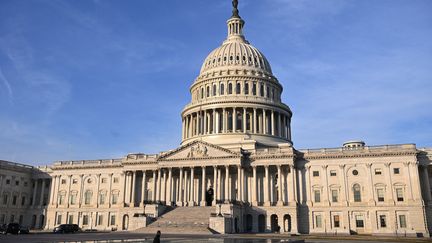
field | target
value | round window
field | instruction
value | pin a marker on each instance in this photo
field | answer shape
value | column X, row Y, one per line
column 355, row 172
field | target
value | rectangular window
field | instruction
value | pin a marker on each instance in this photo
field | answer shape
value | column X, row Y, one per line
column 85, row 220
column 113, row 219
column 359, row 221
column 100, row 219
column 61, row 199
column 318, row 221
column 75, row 181
column 59, row 219
column 378, row 172
column 333, row 173
column 14, row 200
column 396, row 171
column 102, row 199
column 22, row 201
column 317, row 195
column 399, row 194
column 334, row 194
column 5, row 199
column 63, row 181
column 25, row 183
column 116, row 179
column 382, row 220
column 73, row 199
column 12, row 219
column 246, row 88
column 402, row 221
column 254, row 89
column 70, row 220
column 315, row 173
column 380, row 195
column 16, row 183
column 2, row 218
column 336, row 221
column 114, row 199
column 7, row 181
column 104, row 180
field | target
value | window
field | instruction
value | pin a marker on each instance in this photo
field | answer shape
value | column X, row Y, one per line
column 23, row 199
column 336, row 221
column 230, row 88
column 104, row 180
column 238, row 88
column 59, row 219
column 7, row 181
column 246, row 88
column 102, row 198
column 14, row 200
column 214, row 89
column 382, row 220
column 63, row 181
column 113, row 219
column 268, row 92
column 402, row 221
column 16, row 183
column 318, row 221
column 399, row 194
column 202, row 93
column 380, row 195
column 357, row 193
column 262, row 90
column 116, row 179
column 87, row 197
column 73, row 199
column 359, row 221
column 208, row 91
column 114, row 199
column 85, row 220
column 334, row 194
column 61, row 199
column 74, row 181
column 396, row 171
column 5, row 199
column 332, row 173
column 2, row 218
column 70, row 220
column 100, row 219
column 317, row 195
column 21, row 219
column 378, row 172
column 222, row 89
column 12, row 218
column 355, row 172
column 254, row 88
column 315, row 173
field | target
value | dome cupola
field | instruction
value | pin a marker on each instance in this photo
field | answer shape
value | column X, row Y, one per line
column 236, row 100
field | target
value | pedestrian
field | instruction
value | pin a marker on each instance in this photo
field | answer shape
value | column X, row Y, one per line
column 157, row 237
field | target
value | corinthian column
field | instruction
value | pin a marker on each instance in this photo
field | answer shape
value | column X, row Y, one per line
column 254, row 188
column 234, row 120
column 203, row 187
column 279, row 181
column 180, row 191
column 266, row 186
column 272, row 123
column 244, row 120
column 191, row 193
column 214, row 185
column 227, row 197
column 254, row 120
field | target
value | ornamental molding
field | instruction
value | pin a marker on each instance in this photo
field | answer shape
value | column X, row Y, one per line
column 357, row 155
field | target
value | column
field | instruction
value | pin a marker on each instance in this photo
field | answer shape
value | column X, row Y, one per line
column 325, row 187
column 98, row 188
column 143, row 188
column 126, row 188
column 272, row 123
column 81, row 191
column 164, row 187
column 180, row 191
column 264, row 123
column 389, row 183
column 227, row 197
column 53, row 184
column 69, row 190
column 234, row 120
column 132, row 190
column 284, row 188
column 158, row 189
column 185, row 191
column 244, row 120
column 266, row 186
column 183, row 128
column 34, row 193
column 238, row 196
column 214, row 121
column 219, row 183
column 279, row 125
column 42, row 193
column 225, row 121
column 370, row 184
column 109, row 190
column 279, row 181
column 217, row 122
column 254, row 120
column 191, row 192
column 205, row 122
column 308, row 186
column 254, row 188
column 214, row 185
column 242, row 185
column 154, row 187
column 203, row 187
column 342, row 178
column 169, row 187
column 426, row 183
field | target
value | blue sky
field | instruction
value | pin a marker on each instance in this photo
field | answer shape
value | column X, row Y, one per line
column 100, row 79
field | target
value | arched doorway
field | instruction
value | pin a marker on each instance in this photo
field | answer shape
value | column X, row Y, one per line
column 287, row 223
column 274, row 223
column 125, row 222
column 33, row 221
column 41, row 221
column 248, row 223
column 209, row 197
column 261, row 223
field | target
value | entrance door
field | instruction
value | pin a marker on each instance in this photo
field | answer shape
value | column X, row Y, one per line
column 274, row 223
column 209, row 197
column 287, row 223
column 261, row 223
column 125, row 222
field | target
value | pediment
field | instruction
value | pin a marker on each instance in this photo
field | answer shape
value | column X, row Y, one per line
column 199, row 150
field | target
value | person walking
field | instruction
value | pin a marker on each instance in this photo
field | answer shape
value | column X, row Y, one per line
column 157, row 237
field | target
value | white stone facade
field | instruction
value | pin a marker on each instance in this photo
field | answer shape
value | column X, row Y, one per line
column 236, row 156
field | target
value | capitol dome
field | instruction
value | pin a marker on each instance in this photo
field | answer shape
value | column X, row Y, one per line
column 236, row 99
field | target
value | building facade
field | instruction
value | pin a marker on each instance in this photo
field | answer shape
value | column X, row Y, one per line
column 236, row 157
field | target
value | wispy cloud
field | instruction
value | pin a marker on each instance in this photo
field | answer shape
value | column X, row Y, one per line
column 7, row 85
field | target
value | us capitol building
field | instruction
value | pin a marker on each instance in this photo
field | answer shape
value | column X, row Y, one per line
column 236, row 170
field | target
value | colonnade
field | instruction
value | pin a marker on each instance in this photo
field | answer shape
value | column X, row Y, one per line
column 237, row 119
column 39, row 195
column 264, row 185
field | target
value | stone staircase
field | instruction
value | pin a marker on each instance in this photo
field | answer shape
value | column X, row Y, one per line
column 179, row 220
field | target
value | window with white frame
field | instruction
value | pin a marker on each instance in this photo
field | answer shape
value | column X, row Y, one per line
column 318, row 221
column 402, row 221
column 399, row 194
column 357, row 193
column 317, row 196
column 334, row 194
column 380, row 194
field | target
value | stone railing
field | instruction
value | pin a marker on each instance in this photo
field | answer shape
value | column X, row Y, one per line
column 88, row 162
column 16, row 165
column 379, row 148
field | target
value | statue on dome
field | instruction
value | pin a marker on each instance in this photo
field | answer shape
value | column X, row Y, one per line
column 235, row 8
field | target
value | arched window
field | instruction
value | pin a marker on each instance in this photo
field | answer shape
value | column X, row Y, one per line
column 202, row 93
column 238, row 88
column 87, row 197
column 246, row 88
column 208, row 91
column 254, row 88
column 230, row 88
column 357, row 193
column 214, row 89
column 222, row 89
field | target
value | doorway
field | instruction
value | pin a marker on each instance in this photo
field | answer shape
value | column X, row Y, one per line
column 287, row 223
column 125, row 222
column 209, row 196
column 274, row 223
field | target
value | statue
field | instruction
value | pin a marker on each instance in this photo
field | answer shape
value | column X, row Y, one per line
column 235, row 8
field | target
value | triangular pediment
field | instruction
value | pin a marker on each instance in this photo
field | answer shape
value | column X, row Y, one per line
column 199, row 150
